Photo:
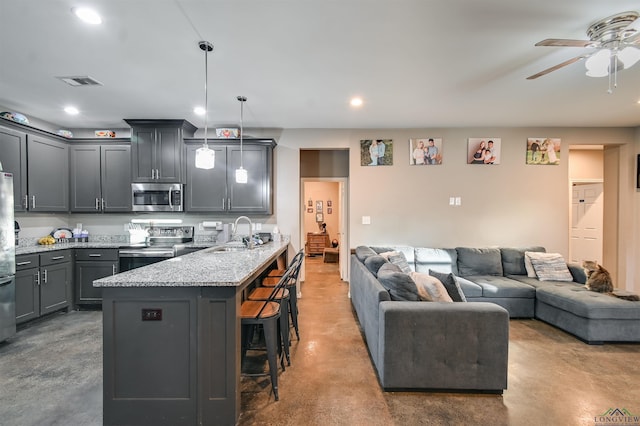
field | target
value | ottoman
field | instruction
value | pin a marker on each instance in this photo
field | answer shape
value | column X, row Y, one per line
column 330, row 255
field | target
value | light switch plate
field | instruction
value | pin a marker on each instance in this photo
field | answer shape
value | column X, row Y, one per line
column 366, row 220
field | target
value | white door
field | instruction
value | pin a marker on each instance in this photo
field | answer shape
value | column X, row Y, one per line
column 586, row 222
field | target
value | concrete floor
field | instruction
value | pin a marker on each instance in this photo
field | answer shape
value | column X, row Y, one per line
column 51, row 373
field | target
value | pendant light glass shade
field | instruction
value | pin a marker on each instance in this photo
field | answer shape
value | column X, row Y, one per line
column 205, row 156
column 241, row 174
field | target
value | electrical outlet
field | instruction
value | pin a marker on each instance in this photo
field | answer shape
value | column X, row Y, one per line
column 258, row 226
column 366, row 220
column 452, row 201
column 458, row 201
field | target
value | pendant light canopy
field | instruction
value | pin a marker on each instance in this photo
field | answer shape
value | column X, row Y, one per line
column 241, row 173
column 205, row 156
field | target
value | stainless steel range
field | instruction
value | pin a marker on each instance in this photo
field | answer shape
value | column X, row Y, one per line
column 162, row 243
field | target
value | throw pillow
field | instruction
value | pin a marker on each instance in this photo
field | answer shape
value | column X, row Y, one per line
column 450, row 284
column 397, row 258
column 550, row 267
column 400, row 286
column 373, row 263
column 430, row 288
column 531, row 273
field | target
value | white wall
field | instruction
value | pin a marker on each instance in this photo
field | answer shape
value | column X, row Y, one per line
column 510, row 204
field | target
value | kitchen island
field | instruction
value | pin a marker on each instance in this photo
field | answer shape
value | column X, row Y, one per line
column 172, row 337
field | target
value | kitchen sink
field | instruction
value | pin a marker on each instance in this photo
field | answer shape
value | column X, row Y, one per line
column 222, row 249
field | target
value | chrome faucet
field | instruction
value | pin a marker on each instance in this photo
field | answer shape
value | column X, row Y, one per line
column 235, row 230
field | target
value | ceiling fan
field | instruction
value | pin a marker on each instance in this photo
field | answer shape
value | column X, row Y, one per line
column 616, row 42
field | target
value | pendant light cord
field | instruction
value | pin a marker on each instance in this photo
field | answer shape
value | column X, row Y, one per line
column 242, row 100
column 206, row 99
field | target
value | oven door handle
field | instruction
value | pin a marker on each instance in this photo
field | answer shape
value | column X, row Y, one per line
column 170, row 204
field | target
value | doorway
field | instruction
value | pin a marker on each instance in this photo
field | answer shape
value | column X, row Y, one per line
column 586, row 221
column 324, row 220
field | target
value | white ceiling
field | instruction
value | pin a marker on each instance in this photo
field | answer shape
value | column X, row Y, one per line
column 416, row 63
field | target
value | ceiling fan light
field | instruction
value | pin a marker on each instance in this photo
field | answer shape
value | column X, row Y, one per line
column 598, row 62
column 205, row 158
column 629, row 56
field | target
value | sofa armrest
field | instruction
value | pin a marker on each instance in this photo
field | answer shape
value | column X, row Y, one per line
column 578, row 272
column 443, row 345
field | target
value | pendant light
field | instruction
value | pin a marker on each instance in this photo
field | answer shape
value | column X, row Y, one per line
column 205, row 156
column 241, row 173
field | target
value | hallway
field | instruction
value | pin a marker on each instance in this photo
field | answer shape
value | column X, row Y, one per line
column 51, row 373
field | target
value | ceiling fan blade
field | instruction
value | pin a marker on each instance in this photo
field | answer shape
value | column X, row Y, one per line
column 557, row 67
column 564, row 42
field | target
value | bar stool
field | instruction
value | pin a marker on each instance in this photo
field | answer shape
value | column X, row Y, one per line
column 262, row 294
column 294, row 268
column 267, row 314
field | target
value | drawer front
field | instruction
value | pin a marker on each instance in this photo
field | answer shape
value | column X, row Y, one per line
column 55, row 257
column 26, row 261
column 97, row 254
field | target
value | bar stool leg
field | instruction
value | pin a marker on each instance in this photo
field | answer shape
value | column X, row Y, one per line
column 293, row 308
column 271, row 340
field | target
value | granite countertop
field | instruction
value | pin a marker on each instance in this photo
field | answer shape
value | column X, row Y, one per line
column 204, row 268
column 34, row 249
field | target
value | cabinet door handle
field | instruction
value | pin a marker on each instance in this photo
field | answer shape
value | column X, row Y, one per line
column 97, row 204
column 229, row 203
column 44, row 277
column 28, row 262
column 57, row 258
column 157, row 173
column 113, row 268
column 95, row 255
column 223, row 203
column 103, row 204
column 37, row 277
column 26, row 202
column 33, row 201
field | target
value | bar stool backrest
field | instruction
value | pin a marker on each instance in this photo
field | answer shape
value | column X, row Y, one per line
column 284, row 280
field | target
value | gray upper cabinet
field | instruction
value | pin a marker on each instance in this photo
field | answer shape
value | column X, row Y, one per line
column 215, row 190
column 47, row 174
column 13, row 156
column 100, row 178
column 156, row 149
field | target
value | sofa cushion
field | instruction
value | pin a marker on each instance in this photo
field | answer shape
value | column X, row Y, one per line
column 397, row 258
column 479, row 261
column 470, row 289
column 362, row 252
column 450, row 284
column 513, row 259
column 399, row 285
column 493, row 286
column 430, row 288
column 374, row 262
column 550, row 266
column 441, row 260
column 575, row 298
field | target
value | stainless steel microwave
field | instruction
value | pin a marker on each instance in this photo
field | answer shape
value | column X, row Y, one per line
column 157, row 197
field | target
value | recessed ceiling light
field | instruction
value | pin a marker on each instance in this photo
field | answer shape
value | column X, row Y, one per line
column 87, row 15
column 199, row 111
column 71, row 110
column 356, row 102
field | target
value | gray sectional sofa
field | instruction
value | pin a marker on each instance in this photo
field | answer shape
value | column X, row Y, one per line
column 464, row 346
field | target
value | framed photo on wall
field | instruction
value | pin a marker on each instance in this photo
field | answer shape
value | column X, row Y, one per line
column 310, row 210
column 329, row 203
column 329, row 210
column 319, row 217
column 425, row 151
column 483, row 151
column 376, row 152
column 543, row 151
column 318, row 206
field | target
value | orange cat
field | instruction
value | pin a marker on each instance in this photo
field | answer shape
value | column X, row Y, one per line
column 599, row 280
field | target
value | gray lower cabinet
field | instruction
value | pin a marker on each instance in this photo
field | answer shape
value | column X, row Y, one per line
column 100, row 178
column 13, row 156
column 216, row 190
column 47, row 174
column 43, row 284
column 90, row 265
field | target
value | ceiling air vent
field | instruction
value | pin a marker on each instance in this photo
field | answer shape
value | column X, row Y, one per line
column 80, row 81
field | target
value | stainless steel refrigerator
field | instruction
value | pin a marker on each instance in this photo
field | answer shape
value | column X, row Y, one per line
column 7, row 258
